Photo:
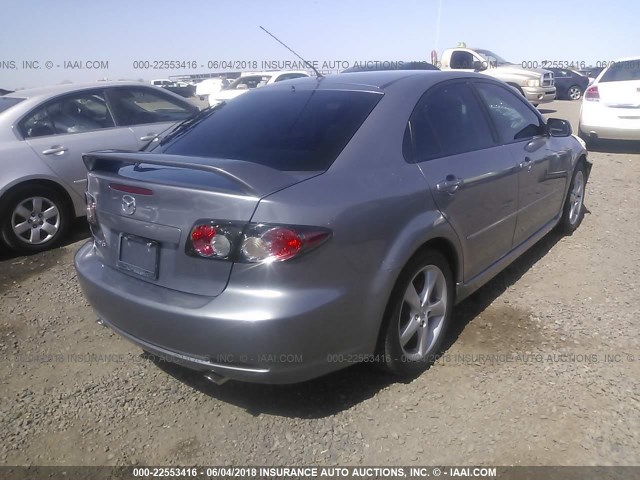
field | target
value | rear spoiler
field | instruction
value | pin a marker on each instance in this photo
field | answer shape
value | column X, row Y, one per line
column 252, row 178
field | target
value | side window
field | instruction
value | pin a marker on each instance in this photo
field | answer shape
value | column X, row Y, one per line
column 449, row 120
column 513, row 119
column 461, row 60
column 135, row 106
column 78, row 113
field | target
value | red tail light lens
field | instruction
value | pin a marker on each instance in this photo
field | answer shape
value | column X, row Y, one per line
column 252, row 243
column 209, row 241
column 592, row 94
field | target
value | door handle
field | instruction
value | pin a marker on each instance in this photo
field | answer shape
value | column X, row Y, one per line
column 148, row 137
column 450, row 184
column 55, row 150
column 528, row 163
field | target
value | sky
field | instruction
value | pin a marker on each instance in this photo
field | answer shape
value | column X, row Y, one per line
column 121, row 35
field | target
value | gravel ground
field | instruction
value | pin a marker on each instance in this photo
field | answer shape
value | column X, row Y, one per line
column 543, row 368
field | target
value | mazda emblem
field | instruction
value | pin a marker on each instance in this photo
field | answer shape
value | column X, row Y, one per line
column 128, row 204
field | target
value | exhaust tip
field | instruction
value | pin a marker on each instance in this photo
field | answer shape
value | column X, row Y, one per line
column 216, row 378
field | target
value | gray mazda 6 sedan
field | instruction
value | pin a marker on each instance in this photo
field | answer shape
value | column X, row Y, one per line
column 315, row 223
column 43, row 134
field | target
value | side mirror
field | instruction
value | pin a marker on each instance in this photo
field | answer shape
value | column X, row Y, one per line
column 479, row 66
column 558, row 127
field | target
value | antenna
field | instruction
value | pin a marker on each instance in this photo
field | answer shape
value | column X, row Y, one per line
column 310, row 65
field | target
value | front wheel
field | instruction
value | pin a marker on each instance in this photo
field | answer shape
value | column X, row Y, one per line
column 573, row 211
column 36, row 219
column 418, row 314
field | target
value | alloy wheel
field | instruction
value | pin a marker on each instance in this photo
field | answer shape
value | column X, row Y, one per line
column 35, row 220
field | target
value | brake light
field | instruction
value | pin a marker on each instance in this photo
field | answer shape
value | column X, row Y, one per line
column 592, row 94
column 208, row 242
column 130, row 189
column 252, row 243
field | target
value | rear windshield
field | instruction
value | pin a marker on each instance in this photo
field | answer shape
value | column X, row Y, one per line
column 289, row 130
column 8, row 102
column 622, row 71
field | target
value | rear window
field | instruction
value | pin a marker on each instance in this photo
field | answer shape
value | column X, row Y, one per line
column 301, row 130
column 8, row 102
column 622, row 71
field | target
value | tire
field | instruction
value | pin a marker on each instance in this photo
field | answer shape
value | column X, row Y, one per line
column 426, row 330
column 574, row 92
column 35, row 218
column 573, row 210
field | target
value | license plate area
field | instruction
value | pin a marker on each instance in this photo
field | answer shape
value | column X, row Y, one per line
column 138, row 255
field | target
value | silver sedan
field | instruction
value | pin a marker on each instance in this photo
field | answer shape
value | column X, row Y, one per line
column 315, row 223
column 43, row 134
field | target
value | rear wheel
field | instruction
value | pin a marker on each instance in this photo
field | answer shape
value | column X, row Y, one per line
column 574, row 92
column 36, row 218
column 573, row 211
column 418, row 315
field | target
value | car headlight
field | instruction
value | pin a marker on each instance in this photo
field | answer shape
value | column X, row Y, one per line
column 532, row 83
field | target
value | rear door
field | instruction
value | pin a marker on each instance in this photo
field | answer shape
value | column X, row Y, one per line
column 146, row 111
column 61, row 130
column 473, row 181
column 541, row 161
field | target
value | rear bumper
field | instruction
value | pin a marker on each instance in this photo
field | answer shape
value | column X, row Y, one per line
column 540, row 94
column 598, row 121
column 265, row 336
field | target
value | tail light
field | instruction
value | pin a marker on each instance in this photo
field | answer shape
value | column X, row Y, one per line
column 252, row 243
column 592, row 94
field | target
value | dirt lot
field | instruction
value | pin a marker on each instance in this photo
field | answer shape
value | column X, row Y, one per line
column 551, row 373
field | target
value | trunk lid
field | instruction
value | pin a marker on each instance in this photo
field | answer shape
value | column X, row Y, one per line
column 146, row 205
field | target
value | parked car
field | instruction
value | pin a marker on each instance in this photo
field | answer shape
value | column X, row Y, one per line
column 307, row 225
column 161, row 82
column 43, row 134
column 210, row 86
column 536, row 84
column 591, row 73
column 249, row 81
column 611, row 105
column 400, row 65
column 570, row 84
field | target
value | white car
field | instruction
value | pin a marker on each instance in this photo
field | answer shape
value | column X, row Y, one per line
column 611, row 105
column 253, row 80
column 210, row 86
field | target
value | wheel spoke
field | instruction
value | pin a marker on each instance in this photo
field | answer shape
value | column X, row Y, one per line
column 22, row 227
column 408, row 332
column 438, row 308
column 49, row 228
column 424, row 341
column 412, row 298
column 50, row 212
column 23, row 211
column 37, row 204
column 429, row 282
column 35, row 235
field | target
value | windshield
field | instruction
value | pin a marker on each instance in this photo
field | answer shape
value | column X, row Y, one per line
column 492, row 58
column 622, row 72
column 289, row 130
column 8, row 102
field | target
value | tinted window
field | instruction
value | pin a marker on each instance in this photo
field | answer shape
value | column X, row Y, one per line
column 83, row 112
column 447, row 121
column 460, row 59
column 134, row 106
column 622, row 71
column 302, row 130
column 249, row 82
column 513, row 119
column 8, row 102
